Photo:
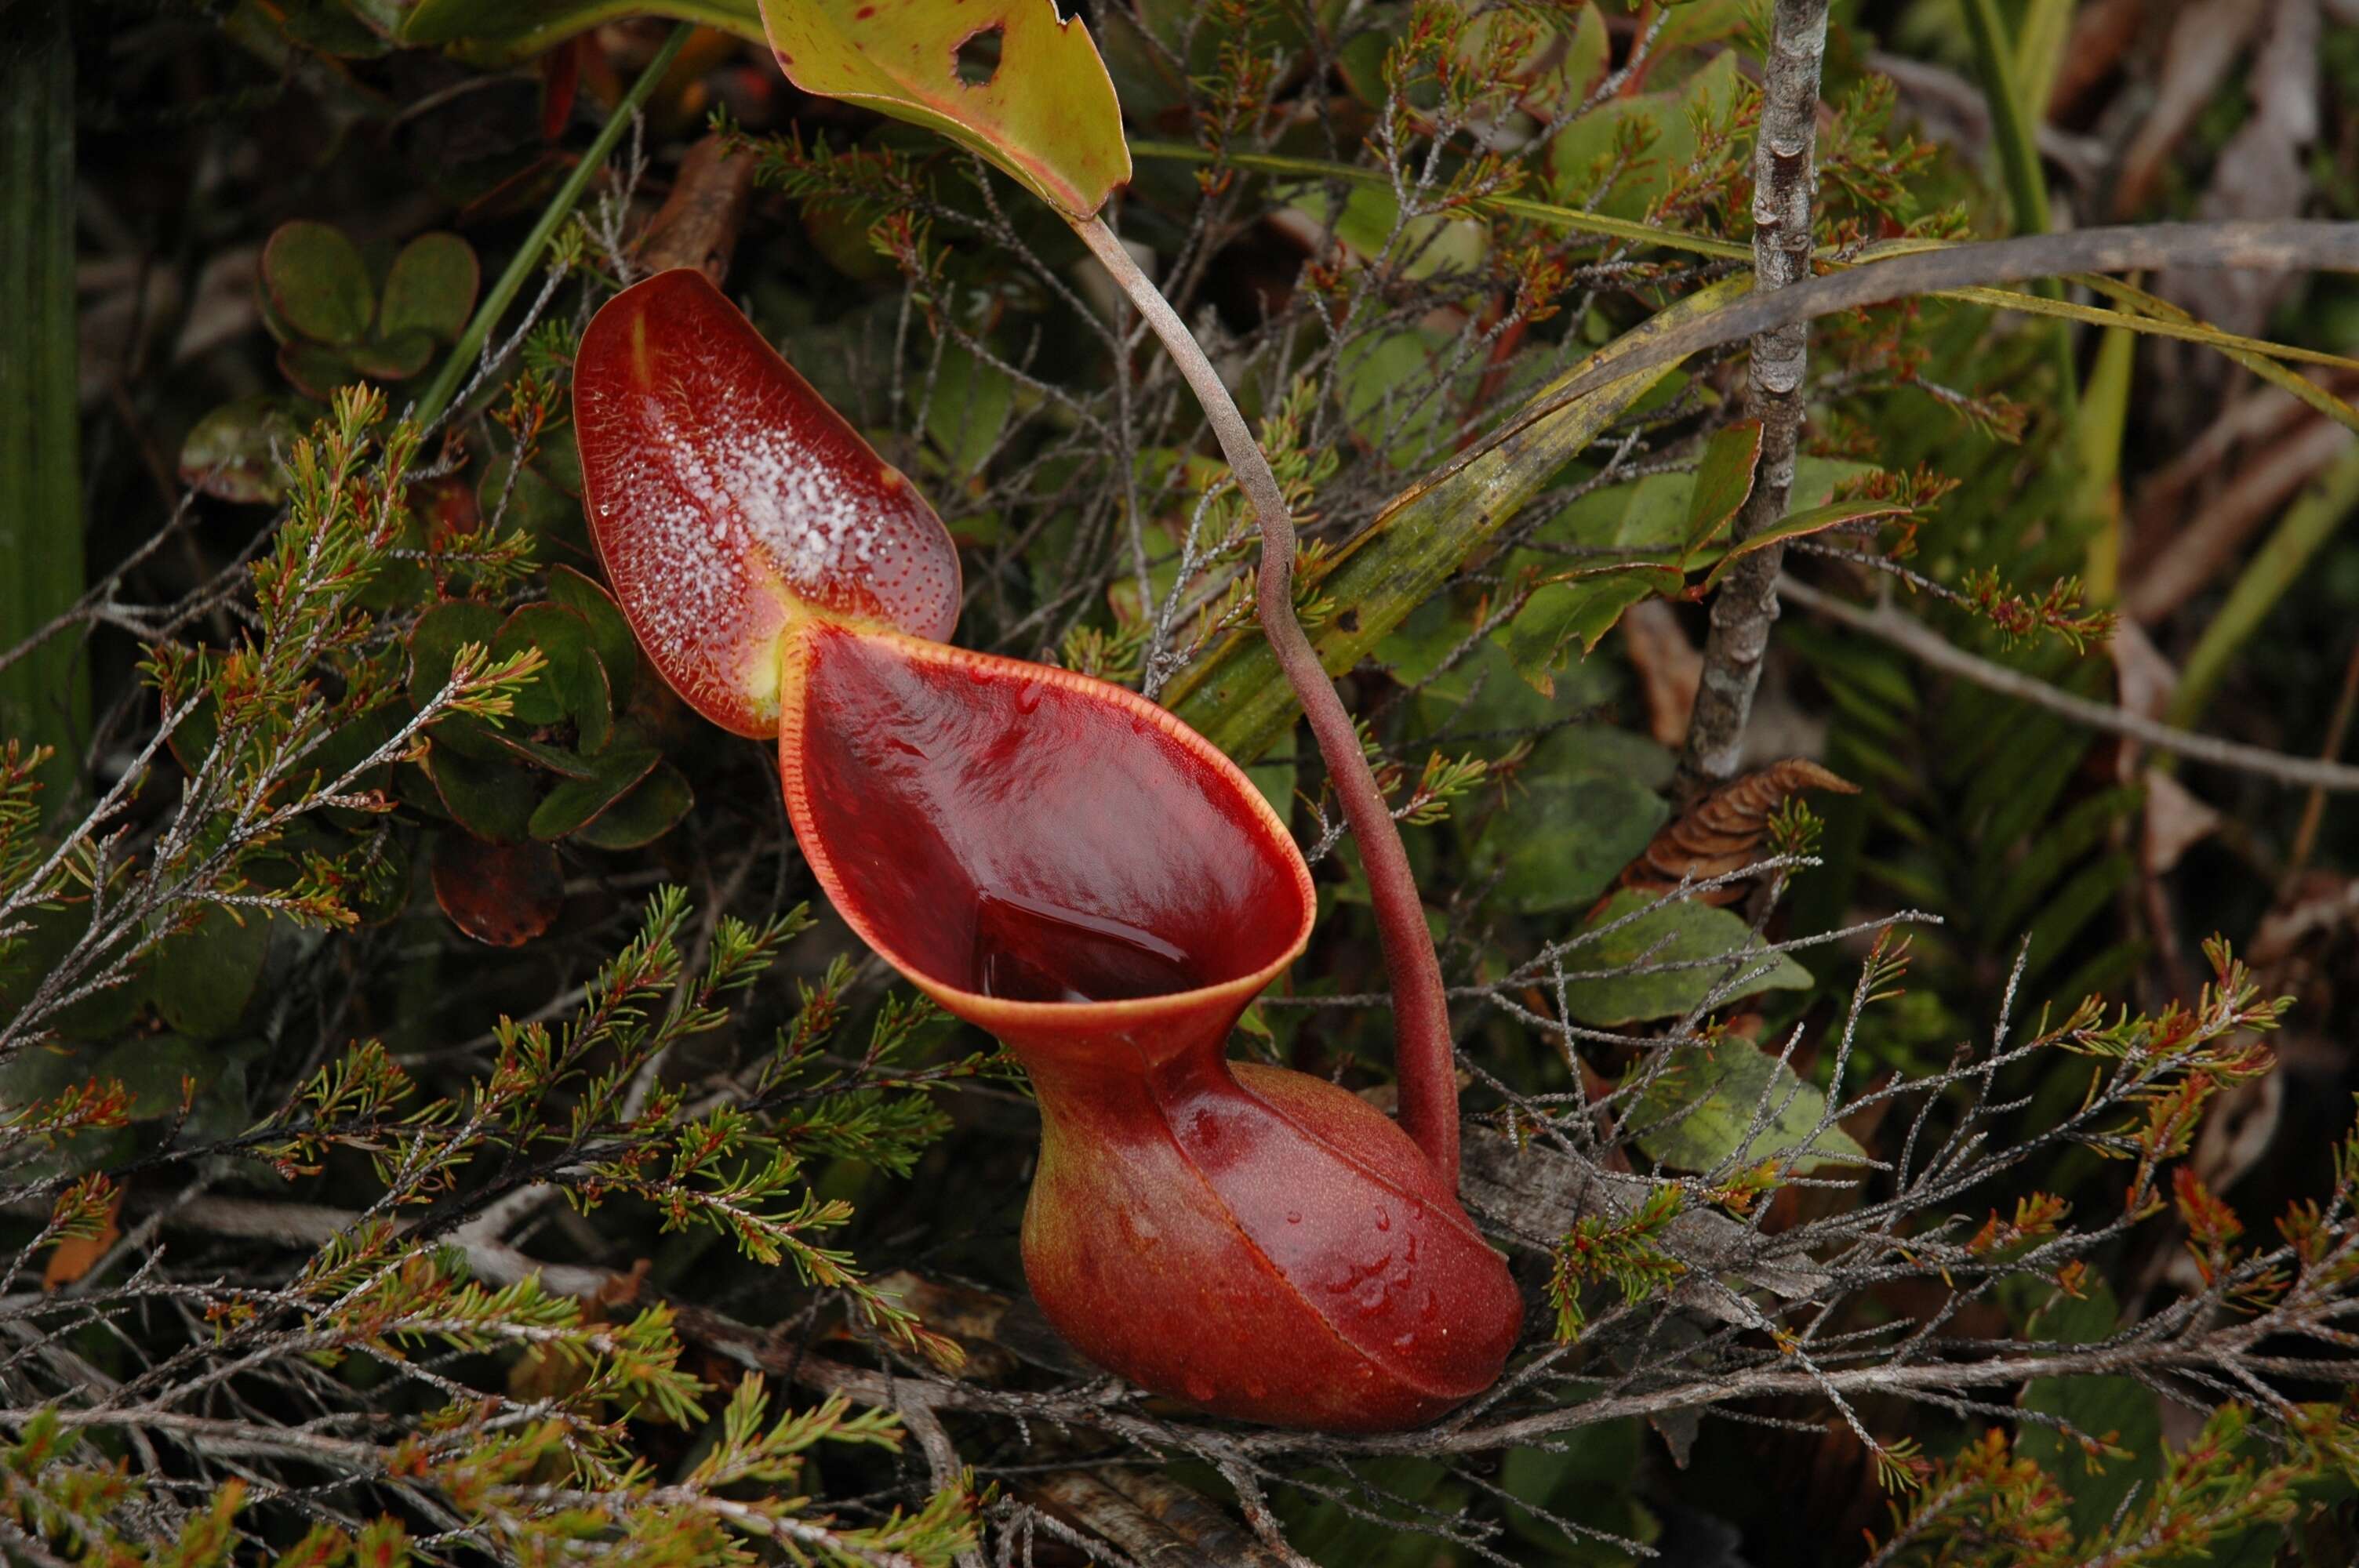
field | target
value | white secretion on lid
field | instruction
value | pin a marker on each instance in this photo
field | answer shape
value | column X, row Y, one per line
column 826, row 534
column 715, row 496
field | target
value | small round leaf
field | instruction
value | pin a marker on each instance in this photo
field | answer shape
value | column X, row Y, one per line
column 431, row 288
column 395, row 357
column 491, row 800
column 435, row 641
column 572, row 682
column 610, row 634
column 576, row 803
column 640, row 818
column 316, row 370
column 202, row 980
column 233, row 453
column 318, row 283
column 502, row 894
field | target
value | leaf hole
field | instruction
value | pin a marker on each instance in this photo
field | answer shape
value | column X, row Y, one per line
column 977, row 59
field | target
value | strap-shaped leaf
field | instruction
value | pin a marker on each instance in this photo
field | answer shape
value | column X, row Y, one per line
column 1045, row 111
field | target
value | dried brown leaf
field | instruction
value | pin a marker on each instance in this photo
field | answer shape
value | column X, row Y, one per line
column 1723, row 831
column 2143, row 676
column 503, row 894
column 2238, row 1129
column 1085, row 1499
column 2101, row 32
column 78, row 1255
column 1193, row 1516
column 2175, row 822
column 697, row 226
column 1669, row 666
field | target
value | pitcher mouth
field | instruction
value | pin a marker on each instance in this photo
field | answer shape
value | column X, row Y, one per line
column 1029, row 845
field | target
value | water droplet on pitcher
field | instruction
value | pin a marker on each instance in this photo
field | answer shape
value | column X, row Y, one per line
column 1294, row 1217
column 1200, row 1389
column 1029, row 950
column 1384, row 1220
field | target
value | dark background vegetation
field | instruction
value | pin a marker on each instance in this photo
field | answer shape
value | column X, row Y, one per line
column 958, row 344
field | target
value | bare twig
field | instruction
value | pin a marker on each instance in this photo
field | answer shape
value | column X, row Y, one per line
column 1785, row 181
column 2291, row 245
column 1914, row 636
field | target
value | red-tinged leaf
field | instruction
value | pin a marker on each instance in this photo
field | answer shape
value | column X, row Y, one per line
column 610, row 634
column 435, row 642
column 315, row 283
column 1817, row 520
column 729, row 502
column 316, row 370
column 503, row 894
column 560, row 78
column 569, row 683
column 1724, row 480
column 396, row 358
column 1042, row 108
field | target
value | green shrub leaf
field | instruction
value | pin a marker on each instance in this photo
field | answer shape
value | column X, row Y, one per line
column 1731, row 1103
column 1707, row 942
column 431, row 288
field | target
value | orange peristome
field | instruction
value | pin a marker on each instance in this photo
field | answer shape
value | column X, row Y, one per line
column 1064, row 863
column 728, row 500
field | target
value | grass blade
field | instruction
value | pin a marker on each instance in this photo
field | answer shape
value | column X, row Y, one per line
column 44, row 694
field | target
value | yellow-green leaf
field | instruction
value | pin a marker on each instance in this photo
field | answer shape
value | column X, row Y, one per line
column 1043, row 110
